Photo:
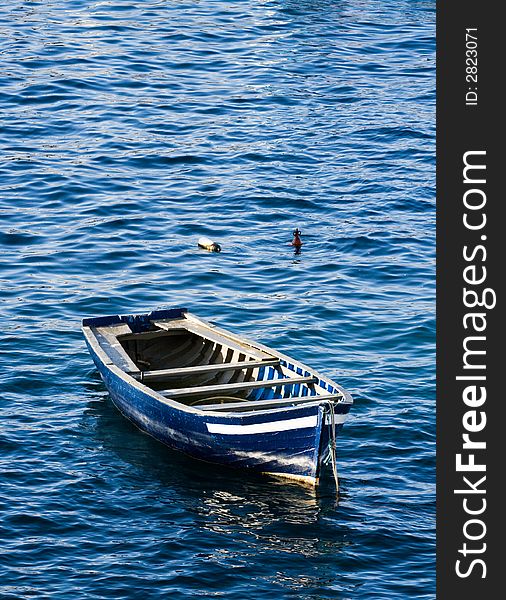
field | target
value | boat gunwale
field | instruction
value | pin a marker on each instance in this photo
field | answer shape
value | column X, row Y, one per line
column 129, row 379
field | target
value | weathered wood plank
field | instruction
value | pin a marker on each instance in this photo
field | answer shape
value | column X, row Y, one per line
column 214, row 336
column 149, row 335
column 107, row 338
column 265, row 404
column 202, row 369
column 171, row 324
column 234, row 387
column 120, row 329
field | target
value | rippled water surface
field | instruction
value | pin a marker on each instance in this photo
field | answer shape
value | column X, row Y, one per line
column 127, row 131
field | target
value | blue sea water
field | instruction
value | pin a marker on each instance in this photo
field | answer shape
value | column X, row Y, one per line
column 129, row 130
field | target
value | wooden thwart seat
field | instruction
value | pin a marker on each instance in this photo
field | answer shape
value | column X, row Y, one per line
column 266, row 404
column 230, row 388
column 162, row 374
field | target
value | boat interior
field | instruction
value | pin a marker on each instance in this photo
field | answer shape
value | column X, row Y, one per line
column 197, row 365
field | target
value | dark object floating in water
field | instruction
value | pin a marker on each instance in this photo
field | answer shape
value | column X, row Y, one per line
column 216, row 396
column 297, row 242
column 207, row 244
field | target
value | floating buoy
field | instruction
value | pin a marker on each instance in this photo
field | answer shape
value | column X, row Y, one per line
column 297, row 242
column 207, row 244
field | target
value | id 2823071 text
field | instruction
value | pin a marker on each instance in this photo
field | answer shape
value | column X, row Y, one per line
column 471, row 66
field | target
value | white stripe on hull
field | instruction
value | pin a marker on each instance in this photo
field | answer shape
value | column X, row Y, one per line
column 300, row 423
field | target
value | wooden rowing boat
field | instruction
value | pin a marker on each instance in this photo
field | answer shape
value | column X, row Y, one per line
column 216, row 396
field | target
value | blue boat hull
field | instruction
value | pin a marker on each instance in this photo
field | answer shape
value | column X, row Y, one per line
column 288, row 442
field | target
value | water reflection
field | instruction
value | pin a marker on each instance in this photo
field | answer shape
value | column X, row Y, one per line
column 275, row 515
